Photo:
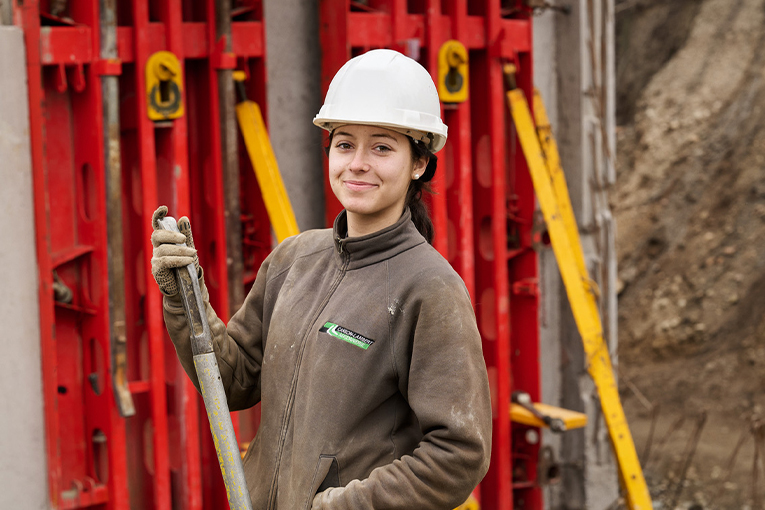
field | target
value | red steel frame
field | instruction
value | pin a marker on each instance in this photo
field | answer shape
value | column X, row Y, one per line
column 162, row 457
column 483, row 205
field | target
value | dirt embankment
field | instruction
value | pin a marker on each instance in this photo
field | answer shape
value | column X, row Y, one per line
column 690, row 209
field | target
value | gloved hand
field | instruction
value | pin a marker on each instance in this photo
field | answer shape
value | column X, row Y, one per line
column 171, row 250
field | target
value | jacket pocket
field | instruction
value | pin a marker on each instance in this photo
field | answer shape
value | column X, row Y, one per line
column 326, row 475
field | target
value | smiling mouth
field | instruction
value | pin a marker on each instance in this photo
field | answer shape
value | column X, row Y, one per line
column 359, row 185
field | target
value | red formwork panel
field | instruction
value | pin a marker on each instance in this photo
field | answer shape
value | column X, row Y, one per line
column 161, row 457
column 82, row 423
column 483, row 206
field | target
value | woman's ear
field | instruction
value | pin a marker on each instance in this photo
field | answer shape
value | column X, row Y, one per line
column 419, row 167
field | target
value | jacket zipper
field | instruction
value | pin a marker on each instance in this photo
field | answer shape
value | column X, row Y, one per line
column 293, row 388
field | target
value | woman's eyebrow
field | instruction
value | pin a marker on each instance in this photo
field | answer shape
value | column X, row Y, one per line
column 384, row 135
column 375, row 135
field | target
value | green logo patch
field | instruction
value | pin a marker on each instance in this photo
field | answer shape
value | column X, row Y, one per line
column 346, row 335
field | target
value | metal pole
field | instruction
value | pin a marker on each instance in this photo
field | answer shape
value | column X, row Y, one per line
column 113, row 166
column 213, row 393
column 229, row 152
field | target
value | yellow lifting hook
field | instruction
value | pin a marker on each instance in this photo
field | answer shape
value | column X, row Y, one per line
column 164, row 86
column 453, row 72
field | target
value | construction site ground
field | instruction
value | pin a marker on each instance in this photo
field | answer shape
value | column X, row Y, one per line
column 690, row 209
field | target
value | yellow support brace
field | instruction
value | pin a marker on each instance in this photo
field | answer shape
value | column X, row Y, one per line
column 266, row 170
column 552, row 193
column 558, row 178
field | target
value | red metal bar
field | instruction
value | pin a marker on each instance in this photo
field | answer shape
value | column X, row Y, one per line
column 495, row 91
column 66, row 45
column 336, row 50
column 183, row 435
column 248, row 39
column 377, row 29
column 456, row 160
column 66, row 131
column 489, row 216
column 152, row 304
column 215, row 224
column 524, row 303
column 434, row 36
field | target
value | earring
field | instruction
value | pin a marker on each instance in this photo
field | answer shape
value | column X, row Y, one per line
column 416, row 176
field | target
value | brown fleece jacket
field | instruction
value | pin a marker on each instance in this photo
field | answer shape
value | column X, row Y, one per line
column 367, row 360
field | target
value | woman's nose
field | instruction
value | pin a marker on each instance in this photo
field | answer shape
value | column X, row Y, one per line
column 359, row 162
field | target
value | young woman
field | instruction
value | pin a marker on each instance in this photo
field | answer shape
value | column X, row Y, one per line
column 359, row 341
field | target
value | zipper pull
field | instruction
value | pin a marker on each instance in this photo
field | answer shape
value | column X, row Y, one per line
column 339, row 245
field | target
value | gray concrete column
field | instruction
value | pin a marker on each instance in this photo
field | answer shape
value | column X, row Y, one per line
column 574, row 70
column 6, row 12
column 23, row 471
column 294, row 96
column 546, row 80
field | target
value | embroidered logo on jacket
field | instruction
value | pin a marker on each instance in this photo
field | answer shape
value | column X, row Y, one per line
column 346, row 335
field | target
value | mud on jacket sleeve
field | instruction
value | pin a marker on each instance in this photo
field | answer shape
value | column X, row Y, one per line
column 238, row 347
column 442, row 374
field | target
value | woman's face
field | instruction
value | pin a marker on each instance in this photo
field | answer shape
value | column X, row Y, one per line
column 370, row 169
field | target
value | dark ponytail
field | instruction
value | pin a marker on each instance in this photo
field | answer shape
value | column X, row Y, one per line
column 414, row 202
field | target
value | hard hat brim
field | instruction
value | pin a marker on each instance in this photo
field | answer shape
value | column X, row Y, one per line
column 434, row 141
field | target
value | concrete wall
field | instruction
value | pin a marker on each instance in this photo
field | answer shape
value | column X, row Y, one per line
column 546, row 80
column 294, row 98
column 6, row 12
column 574, row 70
column 23, row 472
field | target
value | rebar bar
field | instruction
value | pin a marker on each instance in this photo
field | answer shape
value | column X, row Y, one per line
column 690, row 450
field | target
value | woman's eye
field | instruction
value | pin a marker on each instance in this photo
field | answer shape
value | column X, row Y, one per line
column 383, row 148
column 343, row 145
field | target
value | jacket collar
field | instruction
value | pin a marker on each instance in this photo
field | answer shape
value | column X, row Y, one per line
column 377, row 246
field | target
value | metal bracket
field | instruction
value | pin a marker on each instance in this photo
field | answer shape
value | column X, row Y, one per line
column 527, row 287
column 108, row 67
column 453, row 72
column 164, row 86
column 220, row 58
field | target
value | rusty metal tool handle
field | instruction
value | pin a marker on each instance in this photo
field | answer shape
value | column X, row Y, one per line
column 210, row 384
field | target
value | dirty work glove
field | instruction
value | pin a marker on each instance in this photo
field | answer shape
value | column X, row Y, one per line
column 171, row 250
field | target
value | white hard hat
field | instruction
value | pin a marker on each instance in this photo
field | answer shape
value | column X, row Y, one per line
column 385, row 88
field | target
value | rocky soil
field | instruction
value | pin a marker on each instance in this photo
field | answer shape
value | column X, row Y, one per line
column 690, row 209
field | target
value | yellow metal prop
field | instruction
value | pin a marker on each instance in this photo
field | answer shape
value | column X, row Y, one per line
column 572, row 419
column 266, row 169
column 550, row 186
